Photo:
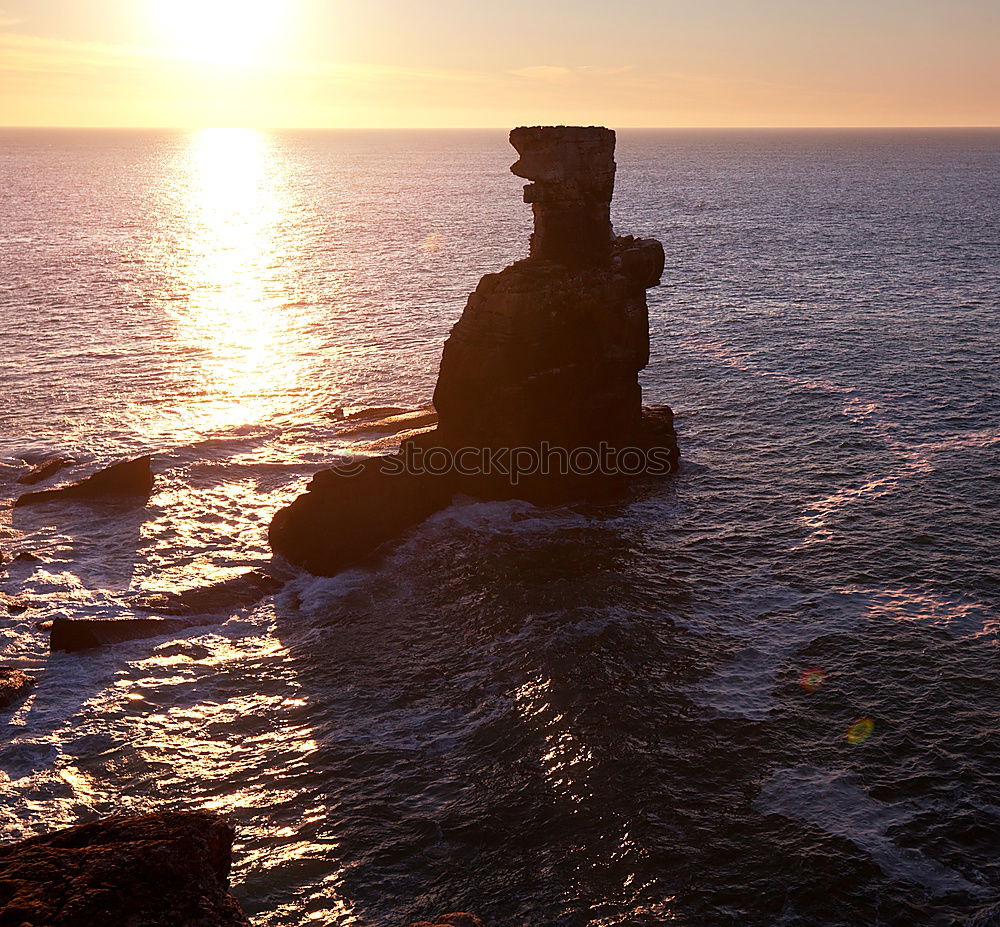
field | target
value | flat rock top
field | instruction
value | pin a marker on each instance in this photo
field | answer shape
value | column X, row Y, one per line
column 587, row 135
column 557, row 154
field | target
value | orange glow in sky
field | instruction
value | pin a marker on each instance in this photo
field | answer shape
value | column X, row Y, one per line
column 459, row 63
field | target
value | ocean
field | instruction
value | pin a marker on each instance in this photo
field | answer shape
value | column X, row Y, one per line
column 763, row 692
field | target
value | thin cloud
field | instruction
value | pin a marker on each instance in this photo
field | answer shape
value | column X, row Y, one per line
column 35, row 54
column 550, row 74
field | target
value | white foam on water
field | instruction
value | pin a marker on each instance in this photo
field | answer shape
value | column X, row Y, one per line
column 770, row 624
column 835, row 801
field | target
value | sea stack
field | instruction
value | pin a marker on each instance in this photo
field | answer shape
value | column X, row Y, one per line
column 538, row 394
column 551, row 349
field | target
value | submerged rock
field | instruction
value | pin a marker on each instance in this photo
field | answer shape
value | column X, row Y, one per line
column 43, row 470
column 190, row 608
column 14, row 685
column 397, row 421
column 155, row 870
column 459, row 919
column 130, row 479
column 217, row 598
column 538, row 396
column 74, row 634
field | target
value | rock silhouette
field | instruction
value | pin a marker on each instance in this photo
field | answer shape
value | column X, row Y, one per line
column 573, row 170
column 155, row 870
column 43, row 470
column 128, row 480
column 538, row 378
column 74, row 634
column 190, row 608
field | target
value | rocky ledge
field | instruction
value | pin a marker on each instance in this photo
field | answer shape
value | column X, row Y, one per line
column 156, row 870
column 130, row 481
column 14, row 685
column 538, row 395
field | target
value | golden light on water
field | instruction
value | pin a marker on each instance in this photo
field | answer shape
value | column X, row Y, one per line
column 233, row 274
column 566, row 758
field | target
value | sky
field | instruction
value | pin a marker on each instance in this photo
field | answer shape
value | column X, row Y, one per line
column 477, row 63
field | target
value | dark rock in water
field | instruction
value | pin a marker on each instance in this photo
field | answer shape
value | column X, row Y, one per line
column 26, row 556
column 238, row 592
column 367, row 415
column 658, row 435
column 190, row 609
column 397, row 421
column 43, row 470
column 551, row 348
column 13, row 606
column 538, row 394
column 14, row 685
column 156, row 870
column 342, row 520
column 73, row 634
column 460, row 919
column 130, row 479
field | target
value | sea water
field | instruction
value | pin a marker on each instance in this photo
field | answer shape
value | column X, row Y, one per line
column 764, row 692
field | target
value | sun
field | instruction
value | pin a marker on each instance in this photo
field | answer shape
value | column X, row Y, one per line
column 223, row 32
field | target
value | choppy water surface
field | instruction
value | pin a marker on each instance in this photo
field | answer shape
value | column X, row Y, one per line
column 641, row 713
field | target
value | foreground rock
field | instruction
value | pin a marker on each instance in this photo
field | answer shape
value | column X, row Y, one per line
column 129, row 480
column 538, row 396
column 156, row 870
column 43, row 470
column 14, row 685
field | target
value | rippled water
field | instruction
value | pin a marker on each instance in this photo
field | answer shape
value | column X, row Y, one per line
column 620, row 715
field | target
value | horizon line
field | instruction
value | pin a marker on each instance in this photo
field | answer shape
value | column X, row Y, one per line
column 504, row 128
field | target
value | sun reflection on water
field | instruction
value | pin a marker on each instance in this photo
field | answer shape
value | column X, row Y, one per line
column 236, row 317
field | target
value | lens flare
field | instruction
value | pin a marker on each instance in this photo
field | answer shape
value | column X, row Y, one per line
column 860, row 731
column 812, row 678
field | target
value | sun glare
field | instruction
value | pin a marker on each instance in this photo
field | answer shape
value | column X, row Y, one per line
column 223, row 32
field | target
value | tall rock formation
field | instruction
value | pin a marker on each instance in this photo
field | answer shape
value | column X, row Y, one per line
column 538, row 394
column 550, row 349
